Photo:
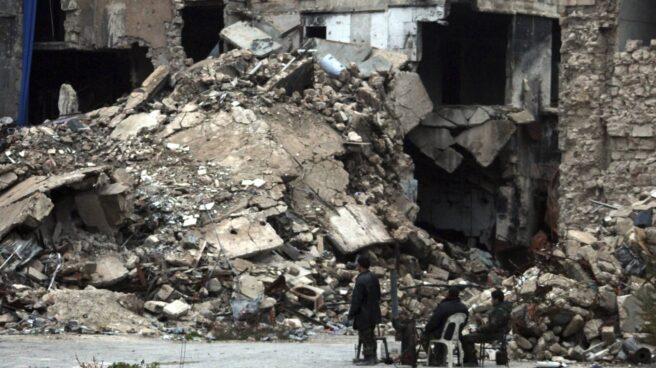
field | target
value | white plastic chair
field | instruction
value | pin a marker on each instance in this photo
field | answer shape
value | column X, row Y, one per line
column 457, row 320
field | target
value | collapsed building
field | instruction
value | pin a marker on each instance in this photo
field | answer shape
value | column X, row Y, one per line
column 476, row 134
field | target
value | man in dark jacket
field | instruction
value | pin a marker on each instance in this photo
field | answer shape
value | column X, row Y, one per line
column 494, row 330
column 435, row 326
column 365, row 309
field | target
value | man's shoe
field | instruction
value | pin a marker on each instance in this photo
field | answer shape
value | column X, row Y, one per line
column 367, row 362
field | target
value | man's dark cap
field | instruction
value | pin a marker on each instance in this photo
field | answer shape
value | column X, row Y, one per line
column 454, row 292
column 364, row 261
column 498, row 295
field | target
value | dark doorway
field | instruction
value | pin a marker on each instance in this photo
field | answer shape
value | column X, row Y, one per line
column 460, row 206
column 464, row 63
column 49, row 25
column 98, row 77
column 315, row 32
column 202, row 24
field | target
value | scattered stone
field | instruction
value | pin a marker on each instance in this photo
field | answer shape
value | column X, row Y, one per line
column 176, row 309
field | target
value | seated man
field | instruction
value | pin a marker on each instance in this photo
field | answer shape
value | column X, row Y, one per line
column 435, row 326
column 493, row 330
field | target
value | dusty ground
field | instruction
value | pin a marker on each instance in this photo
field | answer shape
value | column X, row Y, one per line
column 61, row 351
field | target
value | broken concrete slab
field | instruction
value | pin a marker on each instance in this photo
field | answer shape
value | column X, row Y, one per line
column 7, row 179
column 245, row 36
column 428, row 139
column 355, row 227
column 68, row 103
column 574, row 326
column 479, row 117
column 436, row 120
column 182, row 121
column 250, row 286
column 176, row 309
column 297, row 78
column 630, row 312
column 44, row 184
column 149, row 87
column 382, row 61
column 91, row 212
column 522, row 117
column 116, row 201
column 109, row 271
column 454, row 116
column 485, row 141
column 408, row 100
column 581, row 237
column 29, row 212
column 136, row 124
column 448, row 159
column 592, row 329
column 242, row 236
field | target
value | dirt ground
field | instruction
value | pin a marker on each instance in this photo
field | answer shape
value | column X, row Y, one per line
column 61, row 352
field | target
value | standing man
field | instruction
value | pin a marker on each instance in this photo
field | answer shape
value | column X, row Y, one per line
column 435, row 326
column 493, row 330
column 365, row 309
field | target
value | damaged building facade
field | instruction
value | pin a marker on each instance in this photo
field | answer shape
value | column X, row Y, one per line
column 486, row 155
column 176, row 190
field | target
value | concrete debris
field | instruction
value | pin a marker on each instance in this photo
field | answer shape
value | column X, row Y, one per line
column 149, row 87
column 448, row 159
column 522, row 117
column 368, row 59
column 409, row 100
column 68, row 103
column 245, row 36
column 134, row 125
column 260, row 177
column 243, row 236
column 353, row 228
column 109, row 271
column 485, row 141
column 29, row 212
column 95, row 311
column 7, row 180
column 176, row 309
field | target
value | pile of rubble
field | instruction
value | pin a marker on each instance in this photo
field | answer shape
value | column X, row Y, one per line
column 226, row 201
column 582, row 300
column 236, row 190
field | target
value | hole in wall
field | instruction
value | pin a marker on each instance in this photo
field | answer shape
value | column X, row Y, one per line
column 49, row 26
column 200, row 33
column 459, row 207
column 315, row 32
column 98, row 77
column 637, row 21
column 465, row 62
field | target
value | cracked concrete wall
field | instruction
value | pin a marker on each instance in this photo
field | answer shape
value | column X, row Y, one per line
column 11, row 47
